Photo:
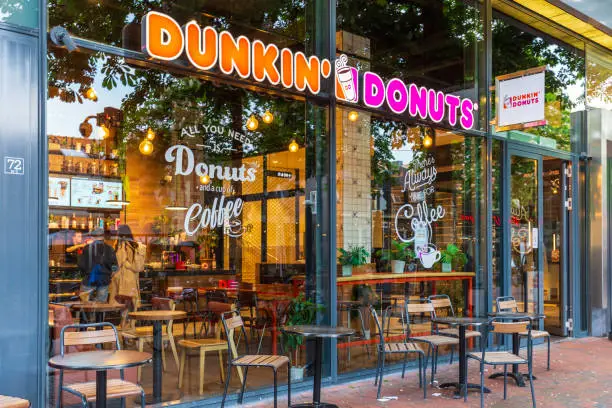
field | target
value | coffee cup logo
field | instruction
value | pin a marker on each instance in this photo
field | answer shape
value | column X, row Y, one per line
column 346, row 80
column 429, row 255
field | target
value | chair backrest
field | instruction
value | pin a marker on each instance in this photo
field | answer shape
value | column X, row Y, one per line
column 424, row 311
column 232, row 321
column 500, row 325
column 442, row 305
column 81, row 335
column 217, row 296
column 159, row 303
column 506, row 304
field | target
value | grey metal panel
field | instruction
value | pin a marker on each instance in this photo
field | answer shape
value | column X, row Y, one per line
column 22, row 221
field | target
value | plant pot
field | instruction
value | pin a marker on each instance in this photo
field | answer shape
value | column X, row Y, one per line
column 447, row 267
column 347, row 270
column 397, row 266
column 297, row 374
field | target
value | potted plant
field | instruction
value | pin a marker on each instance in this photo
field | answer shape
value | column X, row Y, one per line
column 453, row 258
column 354, row 256
column 301, row 311
column 398, row 255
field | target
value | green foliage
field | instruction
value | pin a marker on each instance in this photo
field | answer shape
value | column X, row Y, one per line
column 301, row 312
column 454, row 256
column 399, row 251
column 355, row 256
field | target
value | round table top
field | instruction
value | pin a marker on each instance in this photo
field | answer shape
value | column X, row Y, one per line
column 158, row 315
column 100, row 360
column 319, row 331
column 518, row 315
column 461, row 321
column 98, row 307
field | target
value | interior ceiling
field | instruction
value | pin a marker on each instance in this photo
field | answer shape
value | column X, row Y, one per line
column 563, row 15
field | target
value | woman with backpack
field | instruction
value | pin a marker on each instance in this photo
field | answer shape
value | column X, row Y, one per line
column 131, row 259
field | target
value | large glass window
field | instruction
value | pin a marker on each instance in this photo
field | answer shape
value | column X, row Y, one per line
column 196, row 192
column 20, row 12
column 407, row 224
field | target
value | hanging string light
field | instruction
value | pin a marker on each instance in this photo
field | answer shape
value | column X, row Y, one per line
column 150, row 134
column 91, row 95
column 252, row 123
column 293, row 146
column 146, row 147
column 353, row 116
column 267, row 117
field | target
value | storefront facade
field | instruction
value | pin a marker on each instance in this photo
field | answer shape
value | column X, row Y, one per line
column 328, row 155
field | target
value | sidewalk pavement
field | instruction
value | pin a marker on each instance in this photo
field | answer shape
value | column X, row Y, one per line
column 580, row 376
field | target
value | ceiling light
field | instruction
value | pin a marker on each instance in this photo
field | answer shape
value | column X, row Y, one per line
column 175, row 207
column 252, row 123
column 146, row 147
column 118, row 202
column 267, row 117
column 427, row 141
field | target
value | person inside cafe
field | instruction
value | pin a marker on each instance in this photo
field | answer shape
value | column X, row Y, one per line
column 131, row 260
column 97, row 262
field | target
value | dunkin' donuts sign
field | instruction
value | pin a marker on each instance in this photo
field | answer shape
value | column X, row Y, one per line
column 207, row 49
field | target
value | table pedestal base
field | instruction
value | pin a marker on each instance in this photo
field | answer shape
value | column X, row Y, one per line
column 459, row 388
column 519, row 378
column 314, row 405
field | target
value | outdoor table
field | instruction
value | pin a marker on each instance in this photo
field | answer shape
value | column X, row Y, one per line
column 97, row 308
column 516, row 344
column 462, row 386
column 157, row 317
column 319, row 333
column 100, row 361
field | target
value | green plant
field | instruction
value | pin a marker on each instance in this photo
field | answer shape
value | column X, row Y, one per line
column 354, row 256
column 454, row 256
column 399, row 251
column 301, row 311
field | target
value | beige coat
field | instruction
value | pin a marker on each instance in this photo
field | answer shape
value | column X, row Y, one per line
column 126, row 280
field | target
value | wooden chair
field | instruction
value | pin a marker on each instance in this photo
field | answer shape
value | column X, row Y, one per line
column 444, row 307
column 508, row 304
column 504, row 358
column 424, row 311
column 205, row 345
column 143, row 334
column 13, row 402
column 404, row 347
column 232, row 321
column 115, row 388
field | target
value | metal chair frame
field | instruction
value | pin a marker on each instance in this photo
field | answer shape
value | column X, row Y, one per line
column 232, row 321
column 515, row 310
column 382, row 352
column 81, row 327
column 492, row 327
column 434, row 347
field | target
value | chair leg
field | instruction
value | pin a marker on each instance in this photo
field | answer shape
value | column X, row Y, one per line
column 163, row 354
column 123, row 402
column 548, row 358
column 182, row 367
column 143, row 402
column 289, row 384
column 141, row 349
column 221, row 369
column 202, row 370
column 505, row 380
column 404, row 365
column 377, row 368
column 261, row 337
column 420, row 370
column 59, row 389
column 275, row 391
column 227, row 381
column 434, row 361
column 423, row 379
column 173, row 348
column 380, row 380
column 481, row 386
column 533, row 400
column 244, row 381
column 452, row 354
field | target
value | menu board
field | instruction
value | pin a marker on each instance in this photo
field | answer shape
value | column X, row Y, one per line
column 95, row 193
column 59, row 191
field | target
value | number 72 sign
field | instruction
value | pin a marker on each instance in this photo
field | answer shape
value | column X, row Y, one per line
column 14, row 165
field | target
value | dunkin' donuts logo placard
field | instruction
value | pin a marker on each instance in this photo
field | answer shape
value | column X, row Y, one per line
column 208, row 49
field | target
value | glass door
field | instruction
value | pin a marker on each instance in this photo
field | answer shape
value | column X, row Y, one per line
column 555, row 250
column 525, row 214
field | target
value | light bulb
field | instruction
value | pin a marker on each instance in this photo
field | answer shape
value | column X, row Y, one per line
column 252, row 123
column 91, row 95
column 267, row 117
column 427, row 141
column 204, row 179
column 150, row 134
column 293, row 146
column 103, row 132
column 353, row 116
column 146, row 147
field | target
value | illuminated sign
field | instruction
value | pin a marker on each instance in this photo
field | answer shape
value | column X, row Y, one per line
column 520, row 98
column 206, row 49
